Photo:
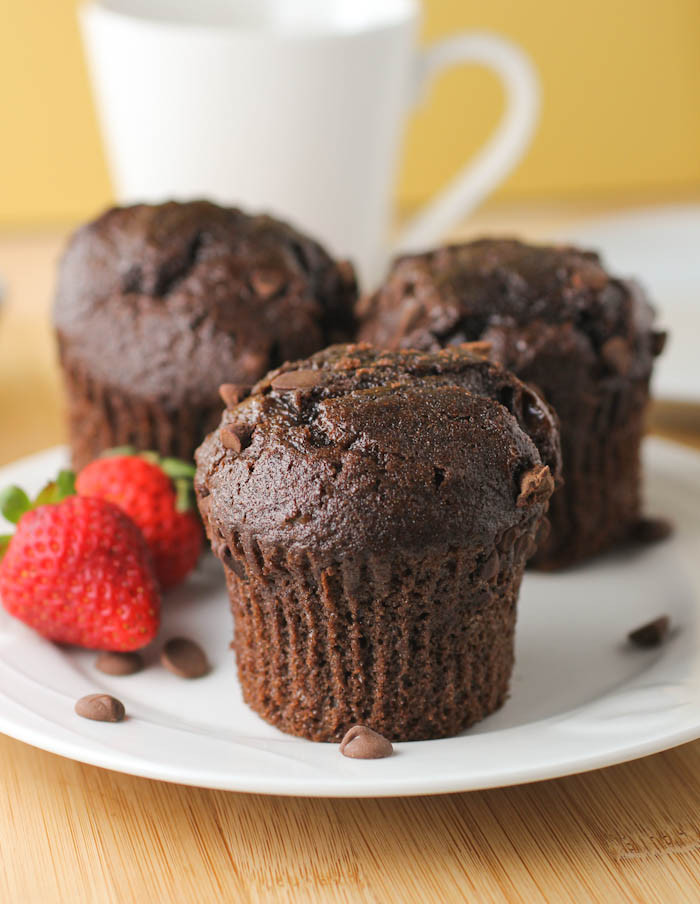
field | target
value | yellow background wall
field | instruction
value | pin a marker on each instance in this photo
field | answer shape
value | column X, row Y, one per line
column 621, row 112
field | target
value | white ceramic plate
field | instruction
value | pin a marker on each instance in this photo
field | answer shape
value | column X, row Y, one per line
column 581, row 696
column 659, row 246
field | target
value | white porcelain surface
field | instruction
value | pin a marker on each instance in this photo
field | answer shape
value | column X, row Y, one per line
column 661, row 247
column 295, row 107
column 581, row 697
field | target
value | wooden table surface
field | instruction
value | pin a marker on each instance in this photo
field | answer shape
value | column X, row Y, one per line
column 76, row 833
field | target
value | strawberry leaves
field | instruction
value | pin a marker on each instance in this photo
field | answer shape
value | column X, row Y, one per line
column 14, row 502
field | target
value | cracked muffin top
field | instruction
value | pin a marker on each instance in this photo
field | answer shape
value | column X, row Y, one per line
column 168, row 301
column 522, row 299
column 355, row 449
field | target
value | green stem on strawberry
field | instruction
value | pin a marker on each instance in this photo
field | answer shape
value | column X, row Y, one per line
column 184, row 495
column 57, row 490
column 14, row 502
column 175, row 468
column 117, row 451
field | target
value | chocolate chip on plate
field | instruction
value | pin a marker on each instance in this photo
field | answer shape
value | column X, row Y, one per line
column 232, row 393
column 119, row 663
column 100, row 708
column 651, row 530
column 362, row 743
column 184, row 658
column 296, row 379
column 652, row 633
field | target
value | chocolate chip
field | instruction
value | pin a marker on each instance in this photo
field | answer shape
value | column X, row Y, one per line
column 536, row 486
column 119, row 663
column 346, row 271
column 590, row 275
column 235, row 437
column 658, row 341
column 410, row 315
column 543, row 532
column 232, row 393
column 100, row 708
column 509, row 537
column 266, row 283
column 489, row 569
column 362, row 743
column 481, row 348
column 296, row 379
column 651, row 634
column 617, row 354
column 525, row 546
column 651, row 530
column 184, row 658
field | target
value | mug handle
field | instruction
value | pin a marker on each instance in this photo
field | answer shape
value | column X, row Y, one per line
column 503, row 149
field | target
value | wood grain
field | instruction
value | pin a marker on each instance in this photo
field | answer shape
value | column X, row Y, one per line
column 75, row 833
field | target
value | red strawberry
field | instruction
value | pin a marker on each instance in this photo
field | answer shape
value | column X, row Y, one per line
column 157, row 495
column 79, row 572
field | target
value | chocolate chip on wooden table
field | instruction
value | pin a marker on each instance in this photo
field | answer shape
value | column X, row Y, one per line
column 232, row 393
column 100, row 708
column 185, row 658
column 362, row 743
column 296, row 379
column 119, row 663
column 652, row 633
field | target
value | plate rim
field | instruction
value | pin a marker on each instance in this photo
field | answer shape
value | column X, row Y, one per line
column 337, row 786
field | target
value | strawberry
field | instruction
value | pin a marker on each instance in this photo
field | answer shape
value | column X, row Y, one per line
column 157, row 494
column 78, row 570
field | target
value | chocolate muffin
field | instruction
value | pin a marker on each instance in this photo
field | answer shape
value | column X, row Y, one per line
column 374, row 512
column 158, row 305
column 560, row 322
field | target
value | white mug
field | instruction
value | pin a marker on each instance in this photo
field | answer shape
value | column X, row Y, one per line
column 294, row 107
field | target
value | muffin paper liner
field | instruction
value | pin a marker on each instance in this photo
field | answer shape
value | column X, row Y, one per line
column 414, row 645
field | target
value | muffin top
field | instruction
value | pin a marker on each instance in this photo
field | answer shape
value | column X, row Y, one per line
column 357, row 450
column 168, row 301
column 522, row 299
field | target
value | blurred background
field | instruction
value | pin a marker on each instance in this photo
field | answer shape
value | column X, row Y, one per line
column 620, row 116
column 614, row 164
